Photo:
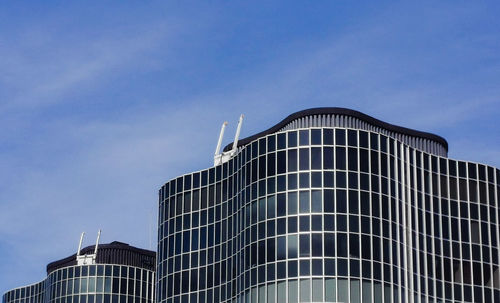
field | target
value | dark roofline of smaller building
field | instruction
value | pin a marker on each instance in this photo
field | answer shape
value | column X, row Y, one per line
column 113, row 253
column 346, row 112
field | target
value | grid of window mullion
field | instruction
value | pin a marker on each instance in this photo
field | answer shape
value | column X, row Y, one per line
column 437, row 243
column 468, row 220
column 462, row 278
column 469, row 230
column 396, row 263
column 449, row 240
column 379, row 217
column 496, row 293
column 415, row 211
column 370, row 211
column 410, row 194
column 358, row 193
column 481, row 264
column 490, row 220
column 429, row 277
column 438, row 214
column 452, row 241
column 424, row 235
column 406, row 221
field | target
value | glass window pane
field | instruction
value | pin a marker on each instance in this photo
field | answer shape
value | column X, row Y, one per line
column 281, row 141
column 343, row 290
column 317, row 290
column 329, row 245
column 304, row 202
column 305, row 290
column 292, row 268
column 367, row 292
column 316, row 179
column 304, row 159
column 100, row 284
column 262, row 293
column 304, row 223
column 292, row 224
column 317, row 245
column 281, row 292
column 305, row 247
column 281, row 248
column 387, row 293
column 292, row 160
column 271, row 207
column 304, row 267
column 327, row 136
column 342, row 245
column 70, row 286
column 292, row 291
column 340, row 136
column 281, row 205
column 91, row 287
column 328, row 158
column 340, row 157
column 281, row 160
column 355, row 298
column 271, row 293
column 107, row 285
column 316, row 202
column 317, row 223
column 304, row 180
column 304, row 137
column 292, row 203
column 330, row 290
column 262, row 209
column 352, row 137
column 83, row 284
column 377, row 293
column 316, row 158
column 292, row 246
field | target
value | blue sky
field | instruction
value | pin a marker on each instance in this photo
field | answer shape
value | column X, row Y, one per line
column 102, row 102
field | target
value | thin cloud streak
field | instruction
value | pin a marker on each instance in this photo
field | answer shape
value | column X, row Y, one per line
column 104, row 172
column 50, row 79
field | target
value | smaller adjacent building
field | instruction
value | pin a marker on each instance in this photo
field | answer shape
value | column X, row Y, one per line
column 115, row 273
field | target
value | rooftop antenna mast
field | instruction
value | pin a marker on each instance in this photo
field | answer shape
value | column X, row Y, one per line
column 223, row 157
column 217, row 155
column 237, row 136
column 80, row 245
column 90, row 258
column 97, row 242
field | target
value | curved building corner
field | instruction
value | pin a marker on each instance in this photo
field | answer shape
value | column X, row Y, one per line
column 331, row 205
column 121, row 274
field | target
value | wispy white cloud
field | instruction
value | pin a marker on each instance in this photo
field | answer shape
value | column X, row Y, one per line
column 104, row 172
column 66, row 66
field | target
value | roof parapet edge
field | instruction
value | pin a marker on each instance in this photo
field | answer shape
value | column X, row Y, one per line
column 346, row 112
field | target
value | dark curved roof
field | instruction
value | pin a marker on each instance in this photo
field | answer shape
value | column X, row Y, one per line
column 112, row 253
column 345, row 112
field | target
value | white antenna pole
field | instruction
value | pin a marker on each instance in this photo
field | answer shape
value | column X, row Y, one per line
column 237, row 135
column 97, row 242
column 80, row 244
column 221, row 135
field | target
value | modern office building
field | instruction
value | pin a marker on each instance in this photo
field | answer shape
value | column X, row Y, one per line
column 115, row 273
column 331, row 205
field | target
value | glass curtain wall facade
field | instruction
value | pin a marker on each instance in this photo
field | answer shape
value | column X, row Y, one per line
column 98, row 283
column 324, row 212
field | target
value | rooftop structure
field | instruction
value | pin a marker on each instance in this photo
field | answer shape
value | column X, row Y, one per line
column 110, row 273
column 331, row 205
